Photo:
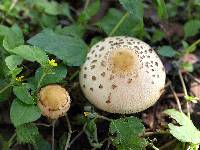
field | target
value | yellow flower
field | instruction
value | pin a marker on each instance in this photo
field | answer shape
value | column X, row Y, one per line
column 53, row 63
column 19, row 78
column 86, row 114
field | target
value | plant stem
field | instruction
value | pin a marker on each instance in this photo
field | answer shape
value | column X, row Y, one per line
column 176, row 98
column 78, row 135
column 189, row 49
column 53, row 133
column 11, row 140
column 74, row 75
column 103, row 117
column 185, row 91
column 146, row 134
column 5, row 88
column 119, row 23
column 69, row 133
column 40, row 81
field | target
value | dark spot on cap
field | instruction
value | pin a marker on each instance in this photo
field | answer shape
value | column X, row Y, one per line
column 156, row 63
column 94, row 61
column 111, row 77
column 114, row 86
column 103, row 74
column 93, row 66
column 91, row 89
column 103, row 63
column 93, row 78
column 100, row 86
column 102, row 48
column 152, row 82
column 108, row 101
column 129, row 80
column 85, row 75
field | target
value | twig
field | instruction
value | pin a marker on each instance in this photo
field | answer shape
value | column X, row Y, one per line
column 78, row 135
column 119, row 24
column 5, row 88
column 194, row 78
column 185, row 91
column 146, row 134
column 166, row 145
column 53, row 128
column 87, row 2
column 42, row 124
column 103, row 117
column 69, row 133
column 176, row 98
column 10, row 142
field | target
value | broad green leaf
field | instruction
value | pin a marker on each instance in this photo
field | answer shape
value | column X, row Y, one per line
column 167, row 51
column 25, row 93
column 31, row 53
column 186, row 131
column 13, row 61
column 21, row 113
column 161, row 8
column 71, row 30
column 126, row 134
column 191, row 28
column 90, row 11
column 57, row 74
column 27, row 133
column 13, row 38
column 113, row 16
column 71, row 50
column 134, row 7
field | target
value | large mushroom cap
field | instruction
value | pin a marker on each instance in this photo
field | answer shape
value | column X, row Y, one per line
column 54, row 101
column 122, row 75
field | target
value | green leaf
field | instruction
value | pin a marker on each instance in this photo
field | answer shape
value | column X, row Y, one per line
column 74, row 30
column 158, row 35
column 187, row 66
column 13, row 38
column 53, row 7
column 186, row 132
column 90, row 11
column 161, row 8
column 71, row 50
column 27, row 133
column 21, row 113
column 41, row 144
column 91, row 132
column 128, row 27
column 24, row 93
column 48, row 21
column 191, row 28
column 13, row 61
column 126, row 132
column 31, row 53
column 167, row 51
column 57, row 74
column 134, row 7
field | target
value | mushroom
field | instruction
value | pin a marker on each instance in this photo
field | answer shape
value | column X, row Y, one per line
column 54, row 101
column 122, row 75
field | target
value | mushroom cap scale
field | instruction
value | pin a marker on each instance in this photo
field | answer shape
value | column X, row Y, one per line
column 122, row 75
column 54, row 101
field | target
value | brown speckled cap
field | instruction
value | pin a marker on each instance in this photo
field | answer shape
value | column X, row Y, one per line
column 54, row 101
column 122, row 75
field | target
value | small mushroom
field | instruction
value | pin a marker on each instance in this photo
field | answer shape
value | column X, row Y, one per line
column 122, row 75
column 54, row 101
